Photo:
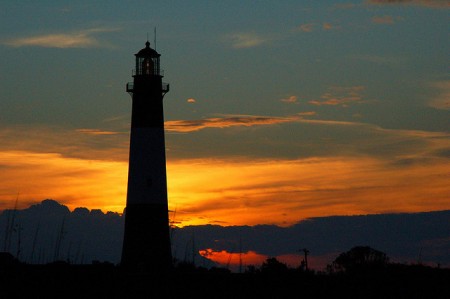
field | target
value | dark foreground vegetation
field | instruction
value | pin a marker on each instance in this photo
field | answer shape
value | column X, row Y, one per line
column 359, row 273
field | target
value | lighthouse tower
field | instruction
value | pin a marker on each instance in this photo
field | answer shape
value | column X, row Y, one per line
column 146, row 244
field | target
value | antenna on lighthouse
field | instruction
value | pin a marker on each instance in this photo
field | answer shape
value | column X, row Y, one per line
column 154, row 37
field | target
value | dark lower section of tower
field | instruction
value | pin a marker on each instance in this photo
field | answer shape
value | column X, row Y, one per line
column 146, row 246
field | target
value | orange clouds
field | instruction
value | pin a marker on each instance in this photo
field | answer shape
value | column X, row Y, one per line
column 283, row 192
column 236, row 192
column 342, row 96
column 379, row 171
column 96, row 132
column 73, row 182
column 225, row 122
column 327, row 26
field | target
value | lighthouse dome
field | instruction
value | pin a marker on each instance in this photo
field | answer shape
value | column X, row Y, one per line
column 147, row 52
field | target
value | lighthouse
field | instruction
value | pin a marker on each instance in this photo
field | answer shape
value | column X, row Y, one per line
column 146, row 243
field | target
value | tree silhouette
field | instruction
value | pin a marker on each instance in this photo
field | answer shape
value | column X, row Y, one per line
column 358, row 258
column 272, row 265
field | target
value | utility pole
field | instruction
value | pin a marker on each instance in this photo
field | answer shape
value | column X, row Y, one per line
column 305, row 260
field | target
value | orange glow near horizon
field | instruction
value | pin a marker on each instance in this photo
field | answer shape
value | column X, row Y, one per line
column 233, row 192
column 73, row 182
column 235, row 260
column 283, row 192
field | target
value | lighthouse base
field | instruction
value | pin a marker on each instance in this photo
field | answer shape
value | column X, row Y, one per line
column 146, row 246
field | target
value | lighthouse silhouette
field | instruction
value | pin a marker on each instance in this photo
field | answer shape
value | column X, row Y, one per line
column 146, row 243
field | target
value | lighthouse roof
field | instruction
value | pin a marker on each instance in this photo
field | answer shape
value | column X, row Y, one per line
column 147, row 51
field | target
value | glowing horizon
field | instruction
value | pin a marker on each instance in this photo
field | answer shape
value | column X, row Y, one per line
column 235, row 191
column 239, row 261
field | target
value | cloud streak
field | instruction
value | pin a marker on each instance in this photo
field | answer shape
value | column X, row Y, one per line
column 389, row 20
column 243, row 40
column 186, row 126
column 290, row 99
column 309, row 27
column 340, row 96
column 426, row 3
column 96, row 132
column 442, row 99
column 225, row 122
column 78, row 39
column 80, row 143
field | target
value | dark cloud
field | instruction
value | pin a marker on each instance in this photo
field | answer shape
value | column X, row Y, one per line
column 445, row 153
column 295, row 136
column 50, row 231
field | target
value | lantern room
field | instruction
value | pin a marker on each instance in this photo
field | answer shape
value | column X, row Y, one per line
column 147, row 62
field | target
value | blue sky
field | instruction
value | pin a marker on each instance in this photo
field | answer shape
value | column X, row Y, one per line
column 325, row 104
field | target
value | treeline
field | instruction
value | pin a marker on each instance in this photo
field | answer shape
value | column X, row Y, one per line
column 361, row 272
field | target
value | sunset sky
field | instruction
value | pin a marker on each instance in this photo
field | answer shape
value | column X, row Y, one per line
column 278, row 110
